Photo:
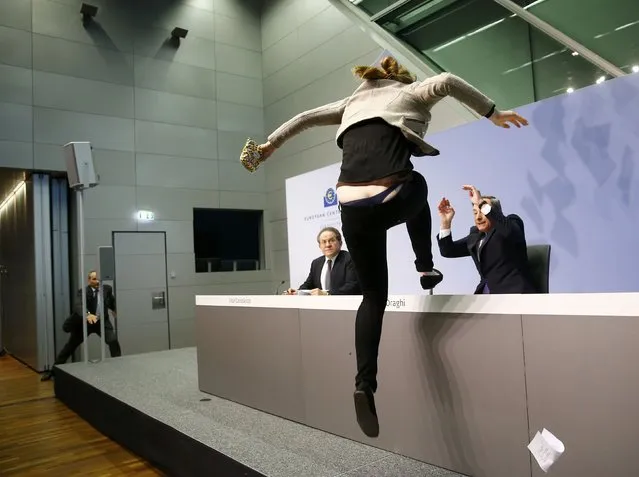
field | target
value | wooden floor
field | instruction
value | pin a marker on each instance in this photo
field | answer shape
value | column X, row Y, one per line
column 39, row 436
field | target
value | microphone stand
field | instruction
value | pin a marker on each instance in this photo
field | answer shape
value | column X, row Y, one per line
column 278, row 287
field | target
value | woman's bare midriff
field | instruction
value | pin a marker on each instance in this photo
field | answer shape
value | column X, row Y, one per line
column 349, row 193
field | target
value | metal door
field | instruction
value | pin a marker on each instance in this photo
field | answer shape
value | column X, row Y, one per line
column 141, row 292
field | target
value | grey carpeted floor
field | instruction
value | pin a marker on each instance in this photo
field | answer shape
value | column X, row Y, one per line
column 164, row 386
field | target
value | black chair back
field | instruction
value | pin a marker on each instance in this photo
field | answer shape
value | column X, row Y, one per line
column 539, row 263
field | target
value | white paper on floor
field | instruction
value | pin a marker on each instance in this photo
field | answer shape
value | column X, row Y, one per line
column 546, row 449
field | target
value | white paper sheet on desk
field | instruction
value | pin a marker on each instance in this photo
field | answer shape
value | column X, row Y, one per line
column 546, row 449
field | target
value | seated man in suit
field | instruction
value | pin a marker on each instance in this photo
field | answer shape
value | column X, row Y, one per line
column 496, row 243
column 333, row 273
column 73, row 324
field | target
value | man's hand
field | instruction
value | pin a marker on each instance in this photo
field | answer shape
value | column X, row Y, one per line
column 318, row 292
column 502, row 118
column 290, row 291
column 266, row 149
column 446, row 213
column 92, row 318
column 473, row 193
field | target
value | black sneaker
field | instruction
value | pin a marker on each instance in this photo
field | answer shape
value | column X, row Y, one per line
column 429, row 282
column 366, row 413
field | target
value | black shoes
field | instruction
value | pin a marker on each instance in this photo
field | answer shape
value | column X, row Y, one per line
column 47, row 375
column 366, row 413
column 429, row 282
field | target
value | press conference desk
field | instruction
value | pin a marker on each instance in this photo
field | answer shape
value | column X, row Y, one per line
column 464, row 381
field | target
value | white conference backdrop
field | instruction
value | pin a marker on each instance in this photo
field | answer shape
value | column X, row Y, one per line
column 311, row 204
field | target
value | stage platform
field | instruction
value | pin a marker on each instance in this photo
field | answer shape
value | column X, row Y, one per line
column 151, row 404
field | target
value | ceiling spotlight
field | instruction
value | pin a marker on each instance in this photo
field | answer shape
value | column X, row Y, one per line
column 179, row 33
column 635, row 69
column 88, row 11
column 570, row 90
column 601, row 79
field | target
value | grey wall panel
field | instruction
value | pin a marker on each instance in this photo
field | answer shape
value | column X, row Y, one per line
column 109, row 202
column 451, row 388
column 236, row 178
column 58, row 20
column 145, row 338
column 174, row 77
column 177, row 172
column 15, row 47
column 236, row 117
column 16, row 14
column 174, row 140
column 583, row 386
column 16, row 85
column 56, row 91
column 247, row 10
column 195, row 51
column 16, row 122
column 52, row 126
column 252, row 356
column 239, row 90
column 69, row 58
column 169, row 203
column 226, row 29
column 16, row 154
column 179, row 233
column 230, row 59
column 199, row 22
column 172, row 108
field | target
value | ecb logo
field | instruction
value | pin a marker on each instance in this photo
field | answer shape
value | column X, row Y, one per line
column 330, row 198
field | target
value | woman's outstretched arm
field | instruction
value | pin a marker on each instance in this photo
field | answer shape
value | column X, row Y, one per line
column 437, row 87
column 327, row 115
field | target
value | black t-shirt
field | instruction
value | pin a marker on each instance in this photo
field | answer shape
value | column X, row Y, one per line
column 374, row 150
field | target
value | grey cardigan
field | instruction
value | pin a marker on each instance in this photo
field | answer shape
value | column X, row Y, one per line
column 406, row 106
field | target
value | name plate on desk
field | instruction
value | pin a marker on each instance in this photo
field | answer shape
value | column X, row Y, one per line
column 569, row 304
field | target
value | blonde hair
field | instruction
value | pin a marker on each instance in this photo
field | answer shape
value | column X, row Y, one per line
column 389, row 69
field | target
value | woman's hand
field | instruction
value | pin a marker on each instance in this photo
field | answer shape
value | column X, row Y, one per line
column 266, row 149
column 502, row 118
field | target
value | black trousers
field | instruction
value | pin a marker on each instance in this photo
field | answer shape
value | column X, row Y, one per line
column 76, row 338
column 365, row 229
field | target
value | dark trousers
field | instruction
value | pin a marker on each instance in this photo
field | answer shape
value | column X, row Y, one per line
column 365, row 228
column 76, row 338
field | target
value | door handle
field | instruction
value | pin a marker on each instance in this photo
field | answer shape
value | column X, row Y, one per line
column 158, row 300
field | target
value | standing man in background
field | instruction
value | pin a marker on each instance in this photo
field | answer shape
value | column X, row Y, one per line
column 95, row 312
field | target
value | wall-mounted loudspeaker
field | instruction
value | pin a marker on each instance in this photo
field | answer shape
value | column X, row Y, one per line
column 80, row 168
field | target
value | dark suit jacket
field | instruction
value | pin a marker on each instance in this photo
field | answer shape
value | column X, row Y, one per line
column 75, row 320
column 502, row 259
column 343, row 275
column 92, row 301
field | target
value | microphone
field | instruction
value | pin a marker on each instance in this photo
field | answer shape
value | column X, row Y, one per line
column 278, row 287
